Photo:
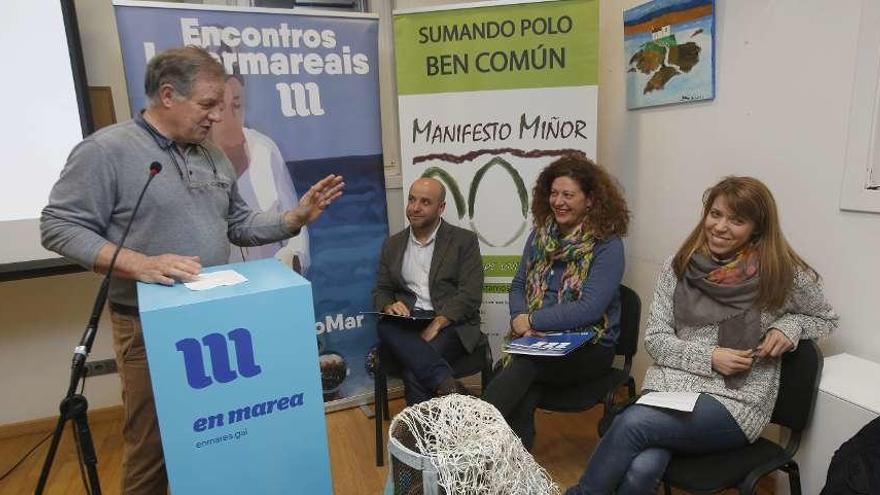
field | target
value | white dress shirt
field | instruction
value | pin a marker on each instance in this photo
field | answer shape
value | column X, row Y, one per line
column 417, row 266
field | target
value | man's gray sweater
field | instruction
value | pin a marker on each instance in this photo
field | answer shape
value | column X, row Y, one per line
column 192, row 208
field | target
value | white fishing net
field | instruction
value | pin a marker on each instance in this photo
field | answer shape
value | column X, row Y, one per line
column 469, row 449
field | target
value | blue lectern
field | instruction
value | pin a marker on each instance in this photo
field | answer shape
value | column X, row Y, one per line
column 237, row 384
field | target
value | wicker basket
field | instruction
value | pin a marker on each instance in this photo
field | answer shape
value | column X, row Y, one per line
column 411, row 473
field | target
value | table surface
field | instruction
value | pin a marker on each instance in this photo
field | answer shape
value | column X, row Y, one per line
column 852, row 379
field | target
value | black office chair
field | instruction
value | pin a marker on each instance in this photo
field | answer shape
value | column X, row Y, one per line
column 585, row 395
column 742, row 468
column 478, row 361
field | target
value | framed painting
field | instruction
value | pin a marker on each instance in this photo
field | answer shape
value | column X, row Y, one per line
column 669, row 47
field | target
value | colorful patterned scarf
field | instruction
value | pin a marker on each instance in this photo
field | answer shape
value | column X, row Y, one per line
column 576, row 251
column 742, row 267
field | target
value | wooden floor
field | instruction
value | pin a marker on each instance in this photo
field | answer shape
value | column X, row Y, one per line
column 562, row 446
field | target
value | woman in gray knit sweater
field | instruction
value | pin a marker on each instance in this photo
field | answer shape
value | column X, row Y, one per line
column 726, row 307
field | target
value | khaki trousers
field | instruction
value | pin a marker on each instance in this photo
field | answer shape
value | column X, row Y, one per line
column 143, row 464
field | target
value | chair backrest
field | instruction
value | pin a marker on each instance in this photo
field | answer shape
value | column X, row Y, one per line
column 630, row 314
column 798, row 386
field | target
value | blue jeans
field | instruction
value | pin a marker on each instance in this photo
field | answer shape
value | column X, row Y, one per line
column 633, row 454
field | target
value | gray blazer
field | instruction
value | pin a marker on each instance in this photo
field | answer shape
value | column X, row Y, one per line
column 455, row 279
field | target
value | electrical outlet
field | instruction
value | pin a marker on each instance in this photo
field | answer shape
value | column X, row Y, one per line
column 100, row 367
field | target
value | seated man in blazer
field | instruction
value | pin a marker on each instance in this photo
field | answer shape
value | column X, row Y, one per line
column 432, row 270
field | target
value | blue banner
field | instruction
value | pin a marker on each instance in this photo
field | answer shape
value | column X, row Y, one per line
column 302, row 101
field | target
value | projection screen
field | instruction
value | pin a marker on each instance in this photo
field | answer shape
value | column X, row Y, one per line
column 45, row 113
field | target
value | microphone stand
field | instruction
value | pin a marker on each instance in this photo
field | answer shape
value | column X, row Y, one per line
column 74, row 406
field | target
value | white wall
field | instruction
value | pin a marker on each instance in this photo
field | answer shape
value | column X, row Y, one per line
column 42, row 321
column 103, row 56
column 785, row 72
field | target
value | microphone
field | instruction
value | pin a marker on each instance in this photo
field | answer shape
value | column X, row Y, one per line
column 81, row 352
column 74, row 406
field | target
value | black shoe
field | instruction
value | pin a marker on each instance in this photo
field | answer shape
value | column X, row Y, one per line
column 451, row 386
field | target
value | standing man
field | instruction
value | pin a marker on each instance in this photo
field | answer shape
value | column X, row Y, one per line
column 186, row 221
column 432, row 271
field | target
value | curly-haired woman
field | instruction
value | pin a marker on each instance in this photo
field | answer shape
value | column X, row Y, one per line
column 568, row 280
